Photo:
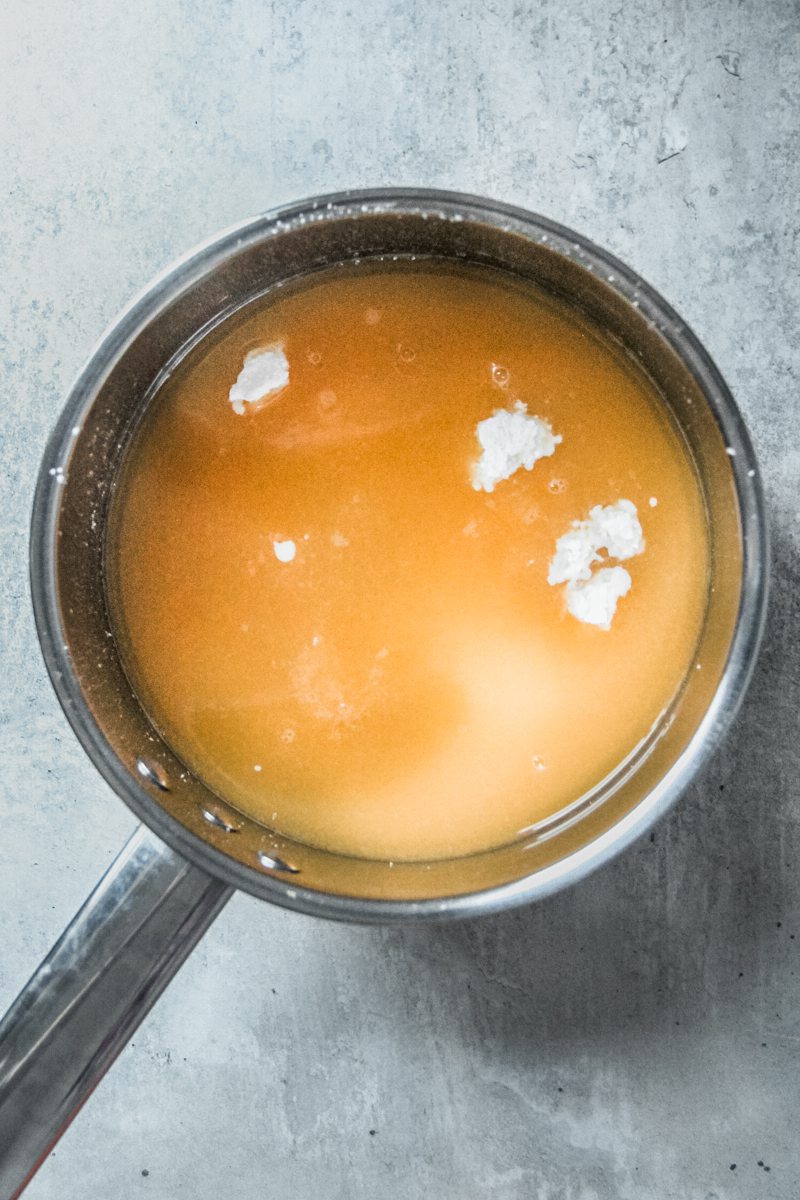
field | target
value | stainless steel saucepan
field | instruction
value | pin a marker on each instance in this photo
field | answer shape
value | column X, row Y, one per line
column 193, row 849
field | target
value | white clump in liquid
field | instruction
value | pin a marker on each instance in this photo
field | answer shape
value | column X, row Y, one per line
column 593, row 597
column 508, row 441
column 595, row 601
column 284, row 551
column 265, row 373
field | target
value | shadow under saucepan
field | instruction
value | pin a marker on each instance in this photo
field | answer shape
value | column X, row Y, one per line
column 685, row 925
column 631, row 1033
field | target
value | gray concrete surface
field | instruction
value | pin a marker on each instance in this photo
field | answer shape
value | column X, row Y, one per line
column 636, row 1037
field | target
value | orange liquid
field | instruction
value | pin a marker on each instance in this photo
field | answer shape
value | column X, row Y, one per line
column 408, row 686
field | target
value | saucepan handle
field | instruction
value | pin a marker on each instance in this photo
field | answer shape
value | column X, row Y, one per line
column 91, row 992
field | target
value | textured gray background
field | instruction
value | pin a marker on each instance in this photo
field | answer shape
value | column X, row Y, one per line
column 637, row 1036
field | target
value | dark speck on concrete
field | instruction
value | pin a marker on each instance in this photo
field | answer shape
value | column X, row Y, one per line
column 732, row 1167
column 667, row 157
column 145, row 1172
column 730, row 64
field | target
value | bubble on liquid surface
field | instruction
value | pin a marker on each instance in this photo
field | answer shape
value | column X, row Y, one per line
column 500, row 375
column 314, row 357
column 288, row 735
column 406, row 354
column 557, row 486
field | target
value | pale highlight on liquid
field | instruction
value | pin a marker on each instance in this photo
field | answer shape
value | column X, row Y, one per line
column 404, row 684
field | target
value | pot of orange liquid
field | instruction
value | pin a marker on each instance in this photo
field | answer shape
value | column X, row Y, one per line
column 399, row 555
